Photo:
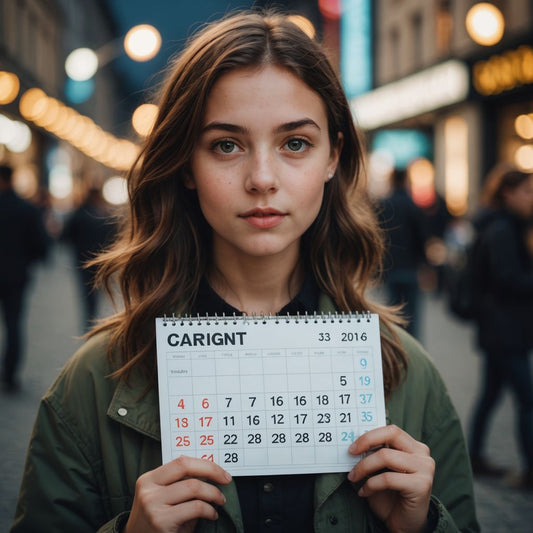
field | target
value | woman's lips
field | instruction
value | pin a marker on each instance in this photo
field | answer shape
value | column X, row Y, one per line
column 263, row 218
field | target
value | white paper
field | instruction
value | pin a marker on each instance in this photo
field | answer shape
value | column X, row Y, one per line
column 280, row 395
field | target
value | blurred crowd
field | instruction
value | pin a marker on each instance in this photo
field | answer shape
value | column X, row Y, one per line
column 483, row 265
column 28, row 231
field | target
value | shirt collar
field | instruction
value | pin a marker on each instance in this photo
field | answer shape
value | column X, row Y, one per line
column 210, row 303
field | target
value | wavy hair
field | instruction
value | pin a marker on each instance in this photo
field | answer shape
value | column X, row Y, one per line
column 164, row 249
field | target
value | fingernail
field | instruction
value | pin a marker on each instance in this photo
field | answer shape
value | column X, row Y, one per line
column 227, row 475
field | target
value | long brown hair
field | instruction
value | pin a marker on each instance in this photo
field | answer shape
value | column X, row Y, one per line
column 164, row 249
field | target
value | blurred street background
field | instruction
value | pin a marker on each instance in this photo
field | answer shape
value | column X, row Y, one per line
column 441, row 90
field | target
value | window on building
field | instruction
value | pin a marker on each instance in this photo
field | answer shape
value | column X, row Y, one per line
column 444, row 27
column 394, row 39
column 417, row 41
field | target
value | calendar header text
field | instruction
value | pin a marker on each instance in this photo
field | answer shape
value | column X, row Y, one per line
column 235, row 338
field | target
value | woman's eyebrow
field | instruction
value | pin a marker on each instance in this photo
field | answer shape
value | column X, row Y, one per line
column 234, row 128
column 295, row 124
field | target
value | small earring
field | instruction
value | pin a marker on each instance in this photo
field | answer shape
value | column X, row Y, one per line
column 330, row 175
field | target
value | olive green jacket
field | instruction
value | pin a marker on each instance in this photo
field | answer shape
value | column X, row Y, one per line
column 93, row 437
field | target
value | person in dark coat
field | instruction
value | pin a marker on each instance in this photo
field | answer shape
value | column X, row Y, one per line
column 23, row 241
column 403, row 223
column 89, row 230
column 505, row 318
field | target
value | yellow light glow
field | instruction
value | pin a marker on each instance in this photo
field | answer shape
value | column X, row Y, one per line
column 422, row 179
column 32, row 103
column 304, row 24
column 67, row 124
column 523, row 126
column 50, row 114
column 142, row 42
column 456, row 165
column 9, row 87
column 143, row 118
column 524, row 157
column 485, row 24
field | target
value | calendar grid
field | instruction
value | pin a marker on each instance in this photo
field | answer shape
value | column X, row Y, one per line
column 265, row 397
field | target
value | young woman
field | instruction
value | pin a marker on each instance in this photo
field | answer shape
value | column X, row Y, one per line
column 248, row 197
column 506, row 312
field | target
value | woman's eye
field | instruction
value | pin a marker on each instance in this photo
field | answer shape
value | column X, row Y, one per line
column 226, row 147
column 296, row 145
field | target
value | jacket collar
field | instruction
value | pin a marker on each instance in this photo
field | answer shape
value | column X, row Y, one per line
column 126, row 407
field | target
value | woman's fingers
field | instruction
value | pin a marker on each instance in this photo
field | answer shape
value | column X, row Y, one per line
column 193, row 489
column 395, row 460
column 185, row 467
column 409, row 485
column 177, row 494
column 391, row 436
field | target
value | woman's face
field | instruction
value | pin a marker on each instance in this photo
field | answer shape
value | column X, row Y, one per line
column 261, row 162
column 520, row 198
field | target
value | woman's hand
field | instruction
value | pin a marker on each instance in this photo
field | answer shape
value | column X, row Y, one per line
column 397, row 478
column 173, row 497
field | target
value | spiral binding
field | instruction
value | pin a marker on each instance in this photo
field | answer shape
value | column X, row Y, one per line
column 215, row 319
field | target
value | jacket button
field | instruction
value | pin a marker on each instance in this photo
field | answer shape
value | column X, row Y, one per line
column 333, row 520
column 268, row 487
column 122, row 411
column 269, row 522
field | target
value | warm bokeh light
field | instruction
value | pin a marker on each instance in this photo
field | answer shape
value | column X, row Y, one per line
column 456, row 165
column 304, row 24
column 524, row 157
column 422, row 180
column 485, row 24
column 6, row 129
column 143, row 118
column 60, row 182
column 15, row 135
column 523, row 126
column 80, row 131
column 81, row 64
column 330, row 9
column 142, row 42
column 32, row 103
column 9, row 87
column 115, row 190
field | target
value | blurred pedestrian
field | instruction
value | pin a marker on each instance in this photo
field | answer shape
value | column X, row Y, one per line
column 438, row 221
column 246, row 199
column 23, row 241
column 406, row 236
column 89, row 230
column 505, row 317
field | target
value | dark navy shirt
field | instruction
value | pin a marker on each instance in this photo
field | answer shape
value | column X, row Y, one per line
column 271, row 503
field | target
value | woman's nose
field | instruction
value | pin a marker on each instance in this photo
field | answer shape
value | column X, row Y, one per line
column 261, row 173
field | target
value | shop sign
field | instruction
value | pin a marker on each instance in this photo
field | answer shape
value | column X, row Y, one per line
column 503, row 72
column 427, row 90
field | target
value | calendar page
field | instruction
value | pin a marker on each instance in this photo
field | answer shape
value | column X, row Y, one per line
column 276, row 395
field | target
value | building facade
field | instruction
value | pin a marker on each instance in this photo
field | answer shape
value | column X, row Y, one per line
column 471, row 104
column 67, row 135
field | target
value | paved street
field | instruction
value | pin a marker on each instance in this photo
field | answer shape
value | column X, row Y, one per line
column 53, row 325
